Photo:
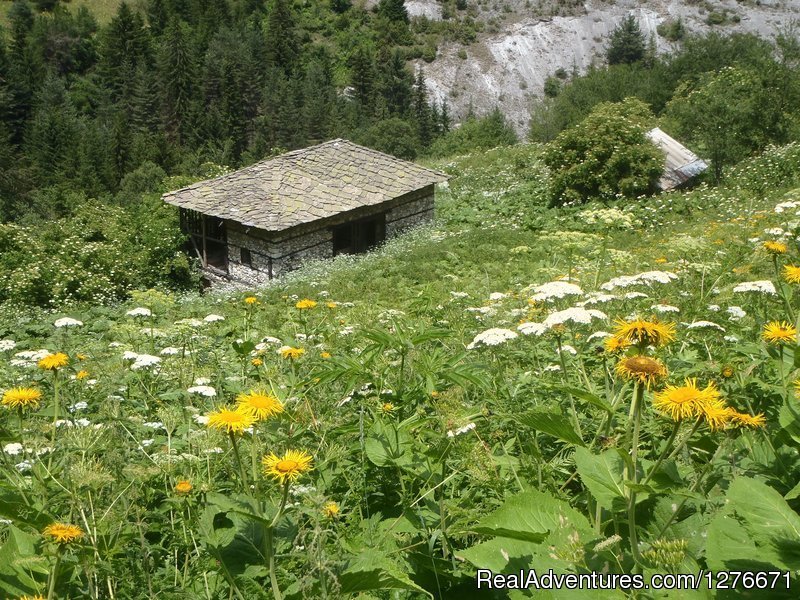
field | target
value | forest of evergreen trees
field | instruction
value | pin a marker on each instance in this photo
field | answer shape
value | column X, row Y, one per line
column 179, row 83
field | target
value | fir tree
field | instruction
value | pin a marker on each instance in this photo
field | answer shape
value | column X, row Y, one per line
column 396, row 83
column 176, row 69
column 422, row 112
column 125, row 41
column 362, row 79
column 282, row 46
column 394, row 10
column 627, row 44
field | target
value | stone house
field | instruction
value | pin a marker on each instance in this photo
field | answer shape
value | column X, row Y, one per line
column 254, row 224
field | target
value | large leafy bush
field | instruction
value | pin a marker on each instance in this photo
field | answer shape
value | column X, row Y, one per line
column 605, row 156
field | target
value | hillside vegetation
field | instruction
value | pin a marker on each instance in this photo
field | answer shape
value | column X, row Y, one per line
column 474, row 395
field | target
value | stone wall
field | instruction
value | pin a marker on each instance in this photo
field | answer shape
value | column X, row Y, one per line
column 273, row 254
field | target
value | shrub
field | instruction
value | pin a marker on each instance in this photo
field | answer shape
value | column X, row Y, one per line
column 605, row 156
column 487, row 132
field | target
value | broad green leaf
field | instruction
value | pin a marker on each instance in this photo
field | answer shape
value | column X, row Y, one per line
column 584, row 395
column 602, row 475
column 387, row 445
column 216, row 528
column 369, row 571
column 530, row 516
column 768, row 518
column 729, row 546
column 18, row 561
column 551, row 423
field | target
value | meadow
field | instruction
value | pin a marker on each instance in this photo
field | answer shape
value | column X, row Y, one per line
column 597, row 388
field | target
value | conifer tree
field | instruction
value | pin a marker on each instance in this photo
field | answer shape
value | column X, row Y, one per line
column 394, row 10
column 396, row 82
column 125, row 41
column 362, row 79
column 176, row 70
column 627, row 44
column 422, row 111
column 282, row 46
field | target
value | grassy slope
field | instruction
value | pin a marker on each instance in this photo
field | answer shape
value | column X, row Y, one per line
column 103, row 10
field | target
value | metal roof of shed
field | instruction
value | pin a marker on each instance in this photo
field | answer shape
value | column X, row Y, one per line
column 681, row 163
column 305, row 185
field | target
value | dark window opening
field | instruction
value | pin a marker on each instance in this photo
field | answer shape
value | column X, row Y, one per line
column 357, row 237
column 208, row 237
column 246, row 257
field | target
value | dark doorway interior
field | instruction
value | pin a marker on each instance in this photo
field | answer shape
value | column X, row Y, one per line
column 208, row 237
column 359, row 236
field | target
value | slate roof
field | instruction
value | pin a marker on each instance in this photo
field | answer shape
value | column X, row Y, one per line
column 305, row 185
column 681, row 163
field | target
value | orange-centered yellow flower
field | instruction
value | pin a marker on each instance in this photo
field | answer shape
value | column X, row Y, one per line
column 53, row 362
column 779, row 332
column 251, row 300
column 82, row 374
column 686, row 401
column 259, row 404
column 22, row 397
column 184, row 486
column 643, row 369
column 305, row 304
column 717, row 414
column 63, row 533
column 288, row 467
column 776, row 248
column 230, row 420
column 289, row 352
column 645, row 333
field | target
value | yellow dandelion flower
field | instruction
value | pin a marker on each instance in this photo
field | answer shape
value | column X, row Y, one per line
column 325, row 354
column 37, row 597
column 661, row 260
column 331, row 510
column 289, row 352
column 288, row 467
column 614, row 344
column 388, row 408
column 727, row 371
column 22, row 397
column 779, row 332
column 331, row 304
column 259, row 404
column 686, row 401
column 81, row 356
column 256, row 362
column 230, row 420
column 435, row 394
column 250, row 300
column 776, row 248
column 82, row 374
column 184, row 486
column 791, row 273
column 717, row 414
column 745, row 420
column 643, row 369
column 645, row 333
column 63, row 533
column 305, row 304
column 53, row 362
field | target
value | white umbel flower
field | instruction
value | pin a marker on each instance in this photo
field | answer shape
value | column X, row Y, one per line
column 139, row 311
column 532, row 328
column 212, row 318
column 6, row 345
column 576, row 314
column 735, row 313
column 665, row 308
column 68, row 322
column 492, row 337
column 13, row 448
column 639, row 279
column 555, row 289
column 761, row 287
column 144, row 361
column 460, row 430
column 705, row 325
column 203, row 390
column 170, row 351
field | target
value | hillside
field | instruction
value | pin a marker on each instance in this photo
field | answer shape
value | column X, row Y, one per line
column 448, row 403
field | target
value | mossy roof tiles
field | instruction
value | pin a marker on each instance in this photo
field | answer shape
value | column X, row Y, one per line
column 305, row 185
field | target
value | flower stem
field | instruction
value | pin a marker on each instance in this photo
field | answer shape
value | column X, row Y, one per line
column 56, row 401
column 51, row 588
column 664, row 452
column 636, row 415
column 276, row 590
column 242, row 472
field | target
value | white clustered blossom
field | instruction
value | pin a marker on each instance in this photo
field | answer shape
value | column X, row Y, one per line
column 129, row 355
column 576, row 314
column 783, row 206
column 597, row 298
column 153, row 425
column 761, row 286
column 68, row 322
column 347, row 330
column 552, row 368
column 495, row 296
column 776, row 231
column 6, row 345
column 735, row 313
column 569, row 349
column 532, row 328
column 190, row 322
column 459, row 295
column 170, row 351
column 598, row 334
column 201, row 419
column 76, row 423
column 713, row 307
column 634, row 295
column 641, row 278
column 13, row 449
column 492, row 337
column 147, row 443
column 665, row 308
column 460, row 430
column 25, row 465
column 144, row 361
column 139, row 311
column 704, row 325
column 203, row 390
column 268, row 340
column 202, row 381
column 555, row 289
column 28, row 358
column 78, row 406
column 730, row 338
column 212, row 318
